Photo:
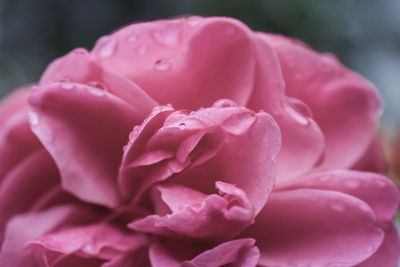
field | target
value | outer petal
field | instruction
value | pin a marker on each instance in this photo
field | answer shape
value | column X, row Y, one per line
column 388, row 253
column 27, row 227
column 16, row 139
column 97, row 241
column 25, row 184
column 84, row 129
column 194, row 214
column 300, row 133
column 344, row 105
column 175, row 62
column 315, row 228
column 373, row 159
column 376, row 190
column 79, row 67
column 240, row 252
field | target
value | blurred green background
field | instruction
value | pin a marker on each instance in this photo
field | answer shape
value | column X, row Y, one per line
column 365, row 35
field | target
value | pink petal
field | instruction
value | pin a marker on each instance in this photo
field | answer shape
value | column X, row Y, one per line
column 315, row 228
column 27, row 227
column 373, row 159
column 175, row 62
column 16, row 139
column 13, row 103
column 99, row 241
column 25, row 184
column 300, row 133
column 240, row 252
column 378, row 191
column 197, row 215
column 345, row 105
column 388, row 253
column 84, row 130
column 205, row 144
column 79, row 67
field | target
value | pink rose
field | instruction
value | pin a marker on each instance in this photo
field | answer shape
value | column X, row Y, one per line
column 195, row 142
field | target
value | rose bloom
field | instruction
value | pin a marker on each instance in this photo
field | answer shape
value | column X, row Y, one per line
column 195, row 142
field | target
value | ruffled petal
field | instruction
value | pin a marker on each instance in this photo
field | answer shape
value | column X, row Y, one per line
column 378, row 191
column 30, row 226
column 16, row 139
column 25, row 184
column 97, row 241
column 388, row 253
column 300, row 133
column 79, row 67
column 234, row 253
column 194, row 214
column 84, row 129
column 315, row 228
column 345, row 105
column 158, row 54
column 204, row 144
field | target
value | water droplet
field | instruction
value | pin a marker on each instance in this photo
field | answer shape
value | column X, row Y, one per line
column 88, row 248
column 96, row 92
column 182, row 126
column 296, row 116
column 133, row 38
column 230, row 30
column 67, row 86
column 108, row 48
column 79, row 51
column 33, row 118
column 124, row 148
column 352, row 183
column 168, row 37
column 162, row 66
column 338, row 206
column 380, row 183
column 225, row 103
column 142, row 50
column 98, row 85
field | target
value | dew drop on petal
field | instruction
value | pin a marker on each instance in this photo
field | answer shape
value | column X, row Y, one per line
column 33, row 118
column 96, row 92
column 224, row 103
column 162, row 66
column 107, row 50
column 380, row 183
column 133, row 38
column 352, row 183
column 67, row 86
column 336, row 205
column 182, row 126
column 142, row 50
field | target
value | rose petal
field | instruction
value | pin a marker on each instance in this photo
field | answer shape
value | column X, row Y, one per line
column 345, row 105
column 25, row 184
column 164, row 52
column 99, row 241
column 197, row 215
column 79, row 67
column 378, row 191
column 84, row 131
column 388, row 253
column 373, row 159
column 240, row 252
column 16, row 139
column 27, row 227
column 300, row 133
column 315, row 228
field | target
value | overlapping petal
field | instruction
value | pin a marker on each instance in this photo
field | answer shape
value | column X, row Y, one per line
column 345, row 105
column 84, row 129
column 158, row 54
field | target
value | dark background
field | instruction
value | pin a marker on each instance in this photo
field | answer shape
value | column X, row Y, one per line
column 364, row 34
